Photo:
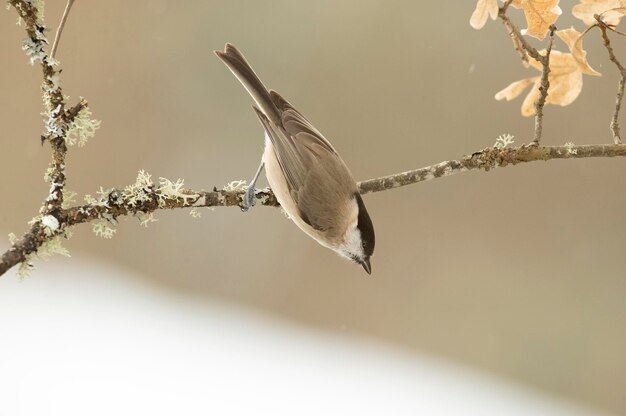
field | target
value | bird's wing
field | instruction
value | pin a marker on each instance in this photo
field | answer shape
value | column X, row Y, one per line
column 316, row 176
column 298, row 125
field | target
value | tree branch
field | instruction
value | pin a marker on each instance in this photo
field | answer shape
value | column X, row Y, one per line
column 622, row 81
column 544, row 87
column 119, row 202
column 525, row 49
column 488, row 159
column 57, row 119
column 521, row 45
column 143, row 198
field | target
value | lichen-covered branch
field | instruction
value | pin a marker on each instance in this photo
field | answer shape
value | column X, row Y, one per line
column 68, row 126
column 143, row 198
column 30, row 11
column 62, row 126
column 22, row 248
column 489, row 159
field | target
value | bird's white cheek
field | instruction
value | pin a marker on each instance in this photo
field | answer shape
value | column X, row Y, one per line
column 353, row 243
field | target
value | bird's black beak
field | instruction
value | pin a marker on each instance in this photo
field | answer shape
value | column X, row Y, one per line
column 366, row 265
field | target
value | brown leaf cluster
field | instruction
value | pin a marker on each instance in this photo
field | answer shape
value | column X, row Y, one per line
column 566, row 75
column 566, row 68
column 540, row 14
column 611, row 11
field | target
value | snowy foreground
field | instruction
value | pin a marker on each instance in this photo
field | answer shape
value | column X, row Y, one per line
column 83, row 338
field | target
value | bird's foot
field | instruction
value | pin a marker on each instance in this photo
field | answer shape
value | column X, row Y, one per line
column 249, row 199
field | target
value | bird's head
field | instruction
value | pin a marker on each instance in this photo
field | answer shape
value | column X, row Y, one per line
column 360, row 240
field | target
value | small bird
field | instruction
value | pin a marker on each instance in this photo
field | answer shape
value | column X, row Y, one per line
column 310, row 180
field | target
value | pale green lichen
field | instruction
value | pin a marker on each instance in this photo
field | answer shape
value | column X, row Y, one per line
column 48, row 249
column 54, row 189
column 570, row 148
column 145, row 219
column 144, row 180
column 51, row 247
column 91, row 200
column 12, row 238
column 84, row 210
column 34, row 47
column 40, row 5
column 140, row 190
column 35, row 219
column 82, row 128
column 47, row 177
column 102, row 229
column 102, row 196
column 102, row 199
column 168, row 190
column 503, row 141
column 23, row 271
column 235, row 186
column 34, row 50
column 69, row 197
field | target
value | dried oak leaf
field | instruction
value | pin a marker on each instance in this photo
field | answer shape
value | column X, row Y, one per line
column 540, row 14
column 566, row 82
column 574, row 41
column 612, row 11
column 484, row 9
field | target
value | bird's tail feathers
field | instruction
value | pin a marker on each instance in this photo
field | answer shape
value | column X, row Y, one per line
column 236, row 62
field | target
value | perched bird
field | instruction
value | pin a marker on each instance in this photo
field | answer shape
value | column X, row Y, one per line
column 310, row 180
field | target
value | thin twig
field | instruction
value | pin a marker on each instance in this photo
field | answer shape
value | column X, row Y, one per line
column 544, row 88
column 618, row 103
column 115, row 205
column 57, row 36
column 615, row 129
column 505, row 6
column 523, row 48
column 71, row 114
column 600, row 19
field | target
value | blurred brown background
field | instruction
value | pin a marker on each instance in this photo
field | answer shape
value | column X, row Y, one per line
column 519, row 272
